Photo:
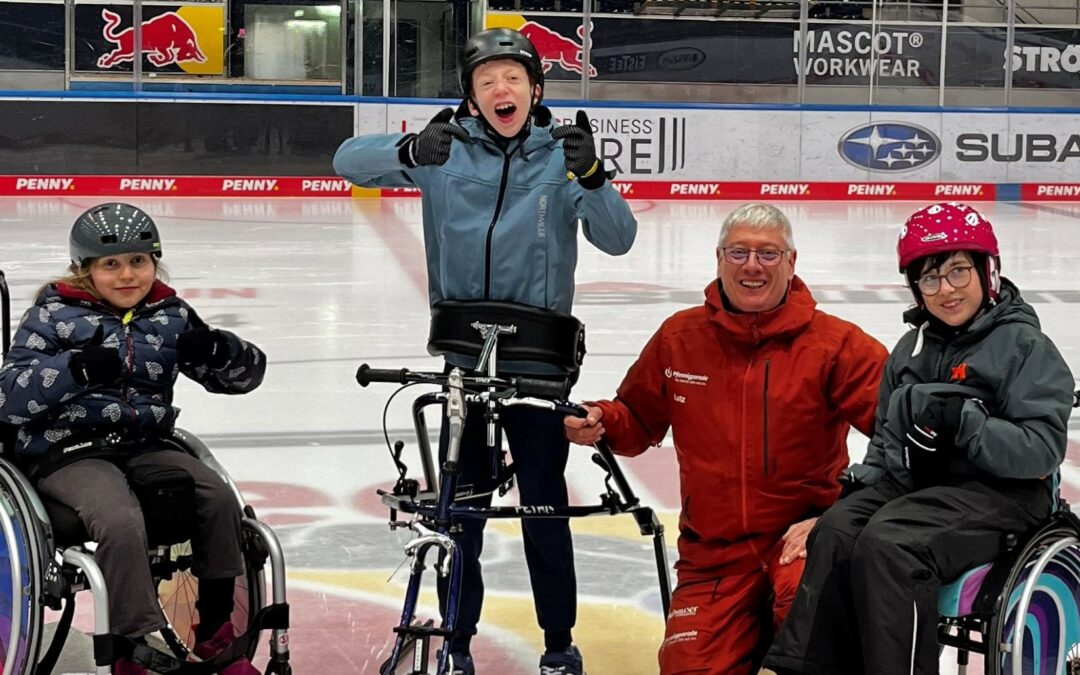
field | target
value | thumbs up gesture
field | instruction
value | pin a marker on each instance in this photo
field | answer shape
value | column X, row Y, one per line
column 579, row 151
column 431, row 147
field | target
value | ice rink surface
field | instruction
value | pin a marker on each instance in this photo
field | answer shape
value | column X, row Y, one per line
column 323, row 285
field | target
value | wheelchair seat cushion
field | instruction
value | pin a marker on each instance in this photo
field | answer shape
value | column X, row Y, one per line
column 957, row 598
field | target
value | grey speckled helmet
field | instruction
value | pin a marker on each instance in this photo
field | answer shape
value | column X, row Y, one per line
column 112, row 229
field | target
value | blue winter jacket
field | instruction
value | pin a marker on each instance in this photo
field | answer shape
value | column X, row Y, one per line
column 498, row 225
column 39, row 395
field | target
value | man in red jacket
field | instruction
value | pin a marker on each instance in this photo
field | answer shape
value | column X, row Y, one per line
column 759, row 390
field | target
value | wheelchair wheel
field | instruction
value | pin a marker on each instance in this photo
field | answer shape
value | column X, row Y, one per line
column 23, row 544
column 178, row 595
column 1050, row 626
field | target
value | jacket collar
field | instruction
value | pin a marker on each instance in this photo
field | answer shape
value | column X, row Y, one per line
column 158, row 291
column 791, row 317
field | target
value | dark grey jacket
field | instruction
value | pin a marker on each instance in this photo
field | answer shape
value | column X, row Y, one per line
column 1021, row 391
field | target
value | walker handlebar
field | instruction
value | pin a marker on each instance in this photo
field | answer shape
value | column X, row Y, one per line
column 531, row 386
column 365, row 375
column 523, row 386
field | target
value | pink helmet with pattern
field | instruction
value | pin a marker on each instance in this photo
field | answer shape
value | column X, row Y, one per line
column 949, row 226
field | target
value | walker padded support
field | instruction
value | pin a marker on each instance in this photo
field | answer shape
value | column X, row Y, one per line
column 541, row 335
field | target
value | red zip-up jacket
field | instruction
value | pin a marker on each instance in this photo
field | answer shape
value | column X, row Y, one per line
column 759, row 406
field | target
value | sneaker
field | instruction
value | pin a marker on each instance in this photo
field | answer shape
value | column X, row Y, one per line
column 224, row 637
column 562, row 662
column 125, row 667
column 460, row 664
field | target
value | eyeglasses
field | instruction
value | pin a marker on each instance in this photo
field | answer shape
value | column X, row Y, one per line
column 958, row 277
column 739, row 255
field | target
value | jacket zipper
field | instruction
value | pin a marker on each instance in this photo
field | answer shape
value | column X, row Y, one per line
column 765, row 422
column 744, row 441
column 491, row 228
column 130, row 360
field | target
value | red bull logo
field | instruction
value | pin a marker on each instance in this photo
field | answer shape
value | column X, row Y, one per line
column 557, row 49
column 166, row 39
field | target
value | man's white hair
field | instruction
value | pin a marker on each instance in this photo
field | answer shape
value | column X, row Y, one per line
column 759, row 216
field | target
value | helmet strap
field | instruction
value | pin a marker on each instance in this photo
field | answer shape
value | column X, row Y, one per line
column 993, row 278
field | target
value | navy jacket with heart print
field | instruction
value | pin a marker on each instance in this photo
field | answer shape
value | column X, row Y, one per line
column 39, row 395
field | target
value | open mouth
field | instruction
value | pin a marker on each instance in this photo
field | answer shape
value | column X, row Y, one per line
column 505, row 111
column 752, row 284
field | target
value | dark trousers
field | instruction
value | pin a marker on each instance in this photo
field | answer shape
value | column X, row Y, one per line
column 98, row 491
column 867, row 602
column 540, row 450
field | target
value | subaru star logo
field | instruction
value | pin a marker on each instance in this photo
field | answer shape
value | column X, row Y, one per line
column 889, row 147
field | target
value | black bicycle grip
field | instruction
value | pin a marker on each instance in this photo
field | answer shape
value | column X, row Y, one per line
column 531, row 386
column 571, row 409
column 365, row 375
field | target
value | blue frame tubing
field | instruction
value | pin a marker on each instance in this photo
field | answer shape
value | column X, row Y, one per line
column 441, row 510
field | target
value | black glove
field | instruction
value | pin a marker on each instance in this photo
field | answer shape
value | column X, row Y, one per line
column 202, row 347
column 431, row 147
column 579, row 149
column 97, row 365
column 849, row 484
column 931, row 440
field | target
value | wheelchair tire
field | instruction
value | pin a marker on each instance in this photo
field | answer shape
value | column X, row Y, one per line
column 1051, row 623
column 24, row 544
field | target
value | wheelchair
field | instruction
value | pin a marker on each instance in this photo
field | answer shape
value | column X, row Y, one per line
column 475, row 329
column 46, row 559
column 1022, row 611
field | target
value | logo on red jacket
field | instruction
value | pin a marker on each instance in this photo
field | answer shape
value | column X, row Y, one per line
column 686, row 378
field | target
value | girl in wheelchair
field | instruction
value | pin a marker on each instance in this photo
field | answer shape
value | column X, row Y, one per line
column 971, row 428
column 89, row 382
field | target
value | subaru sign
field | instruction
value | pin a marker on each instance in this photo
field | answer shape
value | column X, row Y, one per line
column 889, row 147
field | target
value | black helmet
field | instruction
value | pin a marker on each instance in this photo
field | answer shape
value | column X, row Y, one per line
column 111, row 229
column 500, row 43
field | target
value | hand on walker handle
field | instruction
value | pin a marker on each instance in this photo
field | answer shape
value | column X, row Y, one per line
column 585, row 430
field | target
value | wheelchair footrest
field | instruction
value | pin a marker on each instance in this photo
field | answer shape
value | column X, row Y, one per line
column 424, row 631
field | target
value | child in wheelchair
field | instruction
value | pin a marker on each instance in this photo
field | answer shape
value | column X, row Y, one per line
column 89, row 383
column 971, row 429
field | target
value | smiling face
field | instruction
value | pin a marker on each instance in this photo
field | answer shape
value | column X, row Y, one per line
column 503, row 94
column 753, row 286
column 123, row 280
column 949, row 304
